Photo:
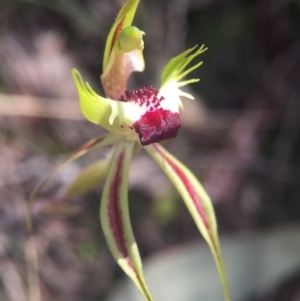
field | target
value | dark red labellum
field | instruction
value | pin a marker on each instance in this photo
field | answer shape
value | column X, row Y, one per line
column 157, row 125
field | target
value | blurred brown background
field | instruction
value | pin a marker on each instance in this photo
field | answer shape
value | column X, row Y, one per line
column 240, row 135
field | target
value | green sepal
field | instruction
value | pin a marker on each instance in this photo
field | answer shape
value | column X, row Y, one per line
column 99, row 110
column 123, row 19
column 115, row 218
column 95, row 108
column 197, row 201
column 88, row 179
column 116, row 117
column 102, row 141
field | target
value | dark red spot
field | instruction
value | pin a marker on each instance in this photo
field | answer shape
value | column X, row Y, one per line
column 143, row 97
column 157, row 125
column 122, row 98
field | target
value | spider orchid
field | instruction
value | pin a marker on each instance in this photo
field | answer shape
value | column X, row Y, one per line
column 137, row 118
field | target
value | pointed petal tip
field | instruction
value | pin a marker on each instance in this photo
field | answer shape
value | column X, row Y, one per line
column 76, row 75
column 175, row 70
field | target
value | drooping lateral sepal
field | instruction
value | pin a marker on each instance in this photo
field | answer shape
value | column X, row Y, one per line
column 105, row 140
column 196, row 200
column 89, row 178
column 115, row 219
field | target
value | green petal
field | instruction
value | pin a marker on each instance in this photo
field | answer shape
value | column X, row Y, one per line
column 115, row 219
column 116, row 117
column 196, row 200
column 102, row 141
column 123, row 19
column 174, row 71
column 95, row 108
column 89, row 178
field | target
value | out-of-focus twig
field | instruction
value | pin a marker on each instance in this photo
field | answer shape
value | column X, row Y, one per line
column 34, row 293
column 31, row 106
column 11, row 277
column 12, row 281
column 21, row 105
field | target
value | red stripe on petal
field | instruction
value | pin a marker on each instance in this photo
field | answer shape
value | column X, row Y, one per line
column 114, row 210
column 115, row 218
column 90, row 144
column 116, row 34
column 188, row 186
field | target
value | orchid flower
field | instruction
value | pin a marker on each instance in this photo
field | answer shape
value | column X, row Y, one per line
column 135, row 119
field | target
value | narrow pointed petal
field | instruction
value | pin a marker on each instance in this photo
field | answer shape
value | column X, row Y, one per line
column 102, row 141
column 89, row 178
column 115, row 219
column 95, row 108
column 196, row 200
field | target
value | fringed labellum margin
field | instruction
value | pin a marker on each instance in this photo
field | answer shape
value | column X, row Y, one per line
column 155, row 122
